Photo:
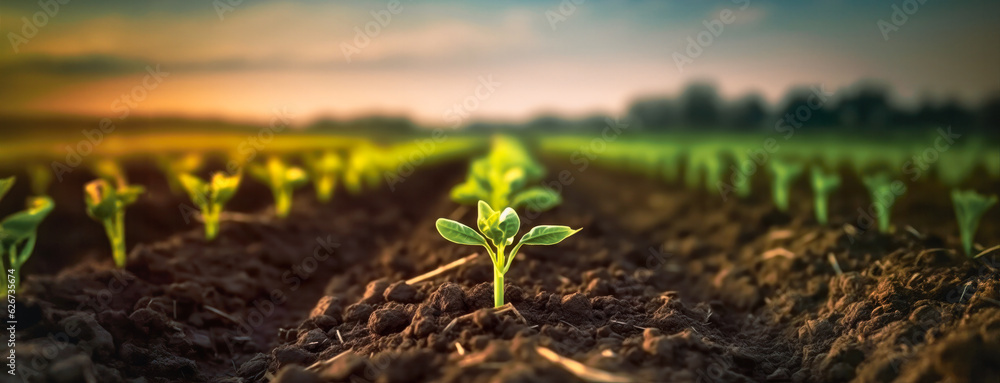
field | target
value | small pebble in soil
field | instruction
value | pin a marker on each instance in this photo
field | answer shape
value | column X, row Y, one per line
column 422, row 327
column 328, row 305
column 374, row 291
column 576, row 308
column 597, row 288
column 401, row 292
column 485, row 319
column 448, row 297
column 292, row 354
column 326, row 322
column 388, row 320
column 254, row 368
column 314, row 340
column 513, row 294
column 358, row 312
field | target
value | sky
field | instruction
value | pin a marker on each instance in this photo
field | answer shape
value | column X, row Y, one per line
column 450, row 62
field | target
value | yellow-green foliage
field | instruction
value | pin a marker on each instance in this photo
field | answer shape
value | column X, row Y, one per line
column 106, row 204
column 282, row 179
column 211, row 197
column 503, row 179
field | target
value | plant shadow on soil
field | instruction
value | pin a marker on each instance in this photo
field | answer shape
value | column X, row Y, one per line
column 663, row 284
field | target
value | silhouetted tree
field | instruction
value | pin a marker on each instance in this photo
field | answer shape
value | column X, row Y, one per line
column 804, row 107
column 867, row 107
column 700, row 105
column 988, row 118
column 653, row 114
column 749, row 112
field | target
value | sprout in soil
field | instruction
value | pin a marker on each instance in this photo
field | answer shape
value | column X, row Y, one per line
column 823, row 184
column 884, row 192
column 19, row 230
column 323, row 169
column 211, row 197
column 282, row 179
column 362, row 169
column 704, row 168
column 500, row 228
column 106, row 204
column 175, row 167
column 501, row 179
column 969, row 208
column 784, row 173
column 744, row 171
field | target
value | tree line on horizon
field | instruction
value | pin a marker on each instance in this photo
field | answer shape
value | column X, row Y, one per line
column 867, row 107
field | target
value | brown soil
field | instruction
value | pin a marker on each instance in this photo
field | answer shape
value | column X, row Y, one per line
column 663, row 284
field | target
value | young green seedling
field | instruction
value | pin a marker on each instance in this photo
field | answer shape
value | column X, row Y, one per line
column 19, row 230
column 323, row 169
column 969, row 208
column 784, row 174
column 363, row 169
column 501, row 179
column 211, row 197
column 884, row 194
column 823, row 184
column 175, row 167
column 106, row 204
column 744, row 171
column 283, row 181
column 500, row 228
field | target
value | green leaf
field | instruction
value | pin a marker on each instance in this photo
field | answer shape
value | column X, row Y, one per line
column 547, row 235
column 485, row 211
column 468, row 192
column 539, row 198
column 295, row 177
column 100, row 198
column 459, row 233
column 23, row 224
column 514, row 177
column 5, row 185
column 509, row 224
column 195, row 188
column 969, row 209
column 224, row 187
column 327, row 162
column 129, row 194
column 491, row 229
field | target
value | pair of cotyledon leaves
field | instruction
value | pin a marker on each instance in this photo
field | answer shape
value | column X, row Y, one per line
column 216, row 192
column 500, row 228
